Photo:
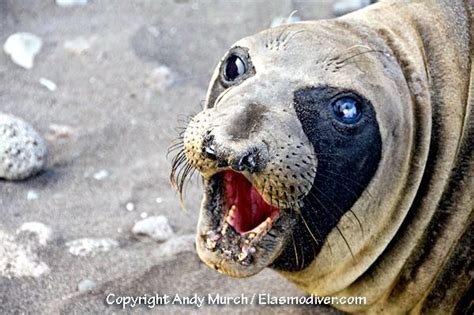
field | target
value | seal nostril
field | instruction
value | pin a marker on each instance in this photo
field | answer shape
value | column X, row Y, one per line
column 209, row 147
column 246, row 162
column 210, row 152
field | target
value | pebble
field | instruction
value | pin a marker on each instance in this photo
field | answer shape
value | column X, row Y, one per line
column 342, row 7
column 47, row 83
column 156, row 227
column 17, row 260
column 23, row 151
column 153, row 30
column 130, row 206
column 32, row 195
column 86, row 285
column 22, row 48
column 69, row 3
column 56, row 132
column 101, row 175
column 91, row 246
column 160, row 78
column 42, row 232
column 179, row 244
column 159, row 200
column 79, row 45
column 143, row 215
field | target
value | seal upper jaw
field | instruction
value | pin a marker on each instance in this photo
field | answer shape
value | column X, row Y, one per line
column 239, row 233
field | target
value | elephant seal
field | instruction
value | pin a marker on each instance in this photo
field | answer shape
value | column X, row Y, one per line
column 339, row 153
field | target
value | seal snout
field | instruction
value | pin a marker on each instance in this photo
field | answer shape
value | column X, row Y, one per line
column 240, row 157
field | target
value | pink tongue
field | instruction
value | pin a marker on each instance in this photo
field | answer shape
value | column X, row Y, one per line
column 251, row 209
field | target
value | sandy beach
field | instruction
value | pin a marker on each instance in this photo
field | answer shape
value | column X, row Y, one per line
column 126, row 74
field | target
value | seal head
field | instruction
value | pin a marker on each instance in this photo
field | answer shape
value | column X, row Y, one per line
column 286, row 144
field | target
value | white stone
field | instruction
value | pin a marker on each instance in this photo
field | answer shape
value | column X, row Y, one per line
column 86, row 285
column 22, row 48
column 156, row 227
column 130, row 206
column 56, row 132
column 47, row 83
column 43, row 233
column 17, row 260
column 160, row 78
column 79, row 45
column 341, row 7
column 22, row 150
column 153, row 30
column 159, row 200
column 90, row 246
column 176, row 245
column 32, row 195
column 101, row 175
column 69, row 3
column 143, row 215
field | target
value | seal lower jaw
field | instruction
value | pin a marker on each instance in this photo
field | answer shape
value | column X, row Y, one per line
column 239, row 233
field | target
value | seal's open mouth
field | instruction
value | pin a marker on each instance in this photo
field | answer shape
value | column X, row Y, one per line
column 247, row 211
column 239, row 233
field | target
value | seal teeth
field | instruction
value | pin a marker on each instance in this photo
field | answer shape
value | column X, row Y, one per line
column 246, row 250
column 211, row 240
column 264, row 227
column 230, row 214
column 228, row 219
column 210, row 244
column 213, row 235
column 242, row 255
column 224, row 228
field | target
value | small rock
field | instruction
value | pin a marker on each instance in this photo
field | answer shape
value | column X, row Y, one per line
column 22, row 150
column 342, row 7
column 22, row 48
column 160, row 78
column 153, row 30
column 56, row 132
column 130, row 206
column 156, row 227
column 17, row 260
column 159, row 200
column 69, row 3
column 143, row 215
column 101, row 175
column 86, row 285
column 32, row 195
column 282, row 20
column 90, row 246
column 42, row 232
column 47, row 83
column 176, row 245
column 79, row 45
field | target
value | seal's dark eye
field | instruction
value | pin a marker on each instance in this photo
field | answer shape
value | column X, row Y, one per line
column 347, row 110
column 234, row 67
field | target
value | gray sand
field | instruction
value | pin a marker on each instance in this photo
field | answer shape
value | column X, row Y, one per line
column 108, row 126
